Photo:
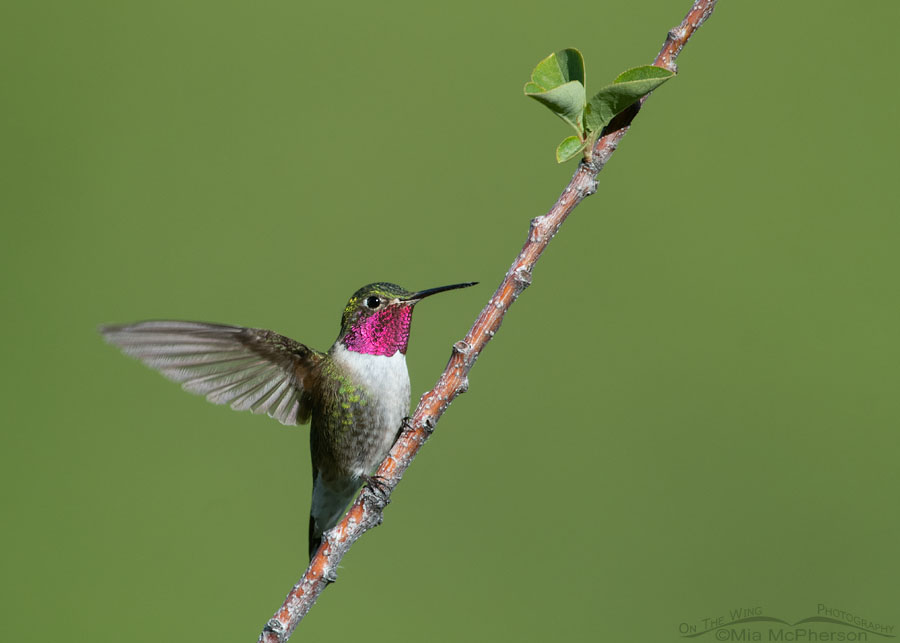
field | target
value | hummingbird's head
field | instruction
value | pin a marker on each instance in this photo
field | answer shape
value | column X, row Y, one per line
column 377, row 318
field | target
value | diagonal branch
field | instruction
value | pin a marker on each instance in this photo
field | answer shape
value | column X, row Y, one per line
column 366, row 512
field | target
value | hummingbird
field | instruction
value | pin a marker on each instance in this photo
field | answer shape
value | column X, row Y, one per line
column 356, row 395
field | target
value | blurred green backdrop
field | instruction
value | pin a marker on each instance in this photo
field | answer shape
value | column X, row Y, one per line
column 694, row 408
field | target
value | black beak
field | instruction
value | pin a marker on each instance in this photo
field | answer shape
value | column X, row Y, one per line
column 422, row 294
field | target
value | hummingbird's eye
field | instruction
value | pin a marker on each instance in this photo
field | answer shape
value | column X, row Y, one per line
column 373, row 302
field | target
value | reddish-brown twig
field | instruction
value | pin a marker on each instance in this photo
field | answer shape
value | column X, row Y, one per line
column 366, row 512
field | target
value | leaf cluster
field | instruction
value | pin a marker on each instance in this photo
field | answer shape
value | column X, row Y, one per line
column 558, row 83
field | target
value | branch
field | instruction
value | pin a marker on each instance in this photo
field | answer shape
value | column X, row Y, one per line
column 366, row 512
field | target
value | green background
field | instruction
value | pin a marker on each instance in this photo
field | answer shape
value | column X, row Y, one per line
column 694, row 408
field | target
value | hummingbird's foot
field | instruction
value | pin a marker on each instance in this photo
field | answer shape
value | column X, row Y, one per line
column 405, row 425
column 379, row 489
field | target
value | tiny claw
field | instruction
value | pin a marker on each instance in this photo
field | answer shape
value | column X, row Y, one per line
column 379, row 488
column 405, row 425
column 276, row 627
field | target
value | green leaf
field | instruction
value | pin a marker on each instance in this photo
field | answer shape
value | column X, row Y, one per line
column 569, row 147
column 558, row 82
column 566, row 101
column 647, row 72
column 559, row 68
column 628, row 88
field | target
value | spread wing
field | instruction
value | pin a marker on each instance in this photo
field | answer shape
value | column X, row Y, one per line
column 247, row 368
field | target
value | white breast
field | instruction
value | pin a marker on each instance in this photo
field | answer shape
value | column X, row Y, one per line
column 386, row 380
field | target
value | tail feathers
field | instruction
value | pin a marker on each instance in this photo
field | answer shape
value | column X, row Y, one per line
column 328, row 506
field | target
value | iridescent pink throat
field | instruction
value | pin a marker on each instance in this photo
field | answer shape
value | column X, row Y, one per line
column 381, row 333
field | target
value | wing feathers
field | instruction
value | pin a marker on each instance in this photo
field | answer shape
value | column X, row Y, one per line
column 248, row 368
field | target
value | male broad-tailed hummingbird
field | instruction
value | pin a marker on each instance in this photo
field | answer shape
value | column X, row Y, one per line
column 356, row 394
